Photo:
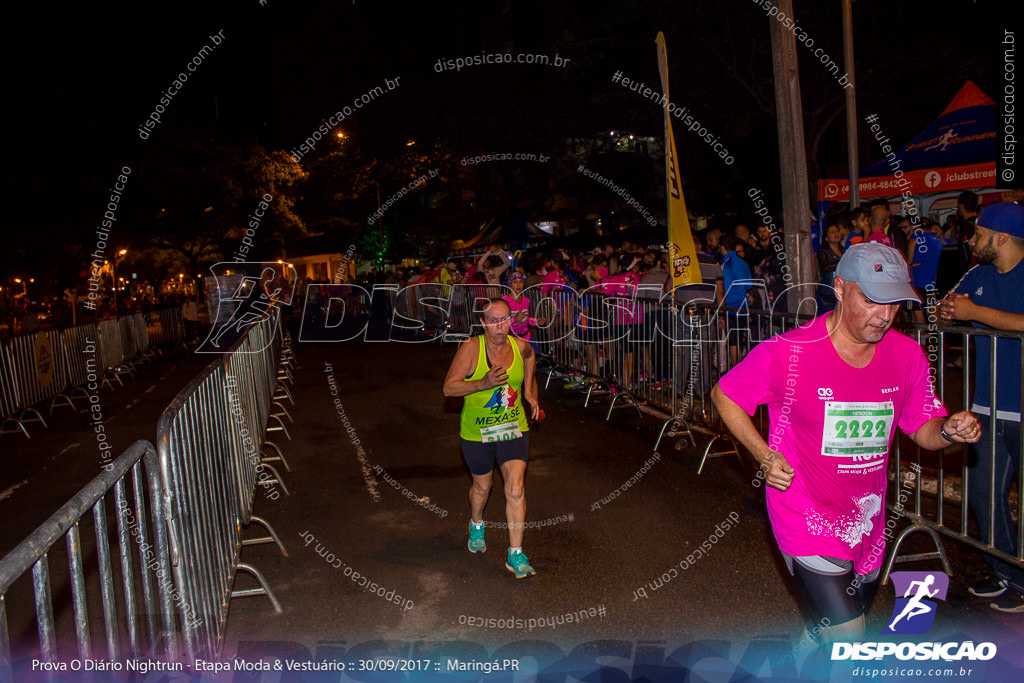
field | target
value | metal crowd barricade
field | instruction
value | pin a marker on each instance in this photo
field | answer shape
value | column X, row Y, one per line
column 73, row 344
column 133, row 326
column 140, row 332
column 733, row 332
column 437, row 308
column 112, row 351
column 259, row 357
column 36, row 370
column 201, row 484
column 119, row 341
column 245, row 387
column 943, row 506
column 149, row 626
column 129, row 345
column 459, row 320
column 164, row 326
column 9, row 400
column 559, row 308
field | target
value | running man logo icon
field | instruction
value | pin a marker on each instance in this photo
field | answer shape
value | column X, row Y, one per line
column 914, row 613
column 240, row 295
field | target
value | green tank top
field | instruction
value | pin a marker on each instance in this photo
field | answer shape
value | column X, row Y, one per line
column 495, row 414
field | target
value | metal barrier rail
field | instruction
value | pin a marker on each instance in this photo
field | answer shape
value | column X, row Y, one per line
column 153, row 637
column 928, row 511
column 9, row 399
column 74, row 342
column 129, row 347
column 198, row 444
column 141, row 333
column 22, row 387
column 164, row 326
column 249, row 382
column 37, row 372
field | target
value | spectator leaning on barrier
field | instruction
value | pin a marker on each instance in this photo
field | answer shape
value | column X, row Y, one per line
column 991, row 295
column 835, row 389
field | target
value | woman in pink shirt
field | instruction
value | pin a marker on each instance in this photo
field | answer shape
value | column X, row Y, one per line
column 519, row 305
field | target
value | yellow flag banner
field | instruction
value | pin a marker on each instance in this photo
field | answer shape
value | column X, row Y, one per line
column 682, row 253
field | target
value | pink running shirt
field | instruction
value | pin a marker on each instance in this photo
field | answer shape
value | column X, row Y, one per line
column 834, row 424
column 623, row 286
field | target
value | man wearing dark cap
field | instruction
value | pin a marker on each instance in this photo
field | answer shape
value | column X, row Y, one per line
column 835, row 389
column 991, row 295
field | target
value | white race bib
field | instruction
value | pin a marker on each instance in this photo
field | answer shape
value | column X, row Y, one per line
column 857, row 429
column 505, row 431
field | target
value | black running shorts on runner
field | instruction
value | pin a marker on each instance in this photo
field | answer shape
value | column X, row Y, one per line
column 833, row 589
column 480, row 456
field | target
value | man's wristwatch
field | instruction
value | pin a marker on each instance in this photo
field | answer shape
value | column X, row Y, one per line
column 945, row 434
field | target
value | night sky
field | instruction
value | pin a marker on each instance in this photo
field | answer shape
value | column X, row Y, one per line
column 83, row 78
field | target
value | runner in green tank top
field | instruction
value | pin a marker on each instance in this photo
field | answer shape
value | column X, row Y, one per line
column 495, row 374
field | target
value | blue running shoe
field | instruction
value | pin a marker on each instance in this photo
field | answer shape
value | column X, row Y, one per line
column 518, row 564
column 476, row 539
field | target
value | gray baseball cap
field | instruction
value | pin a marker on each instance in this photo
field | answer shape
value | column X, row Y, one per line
column 879, row 271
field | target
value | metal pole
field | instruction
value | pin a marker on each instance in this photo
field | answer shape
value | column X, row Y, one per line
column 851, row 104
column 792, row 155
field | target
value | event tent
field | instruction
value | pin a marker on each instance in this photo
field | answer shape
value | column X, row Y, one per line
column 957, row 151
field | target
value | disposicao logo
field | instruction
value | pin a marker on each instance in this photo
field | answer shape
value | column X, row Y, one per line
column 917, row 596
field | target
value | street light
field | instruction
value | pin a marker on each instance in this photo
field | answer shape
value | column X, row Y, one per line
column 117, row 258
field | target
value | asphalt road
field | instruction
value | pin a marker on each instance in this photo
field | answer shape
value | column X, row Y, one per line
column 375, row 526
column 591, row 559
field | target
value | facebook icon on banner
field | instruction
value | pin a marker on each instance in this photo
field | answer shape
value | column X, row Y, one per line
column 916, row 596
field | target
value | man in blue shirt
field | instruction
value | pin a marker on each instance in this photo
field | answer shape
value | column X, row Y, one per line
column 734, row 269
column 991, row 295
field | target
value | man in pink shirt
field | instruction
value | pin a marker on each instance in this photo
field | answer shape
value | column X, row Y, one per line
column 835, row 389
column 878, row 227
